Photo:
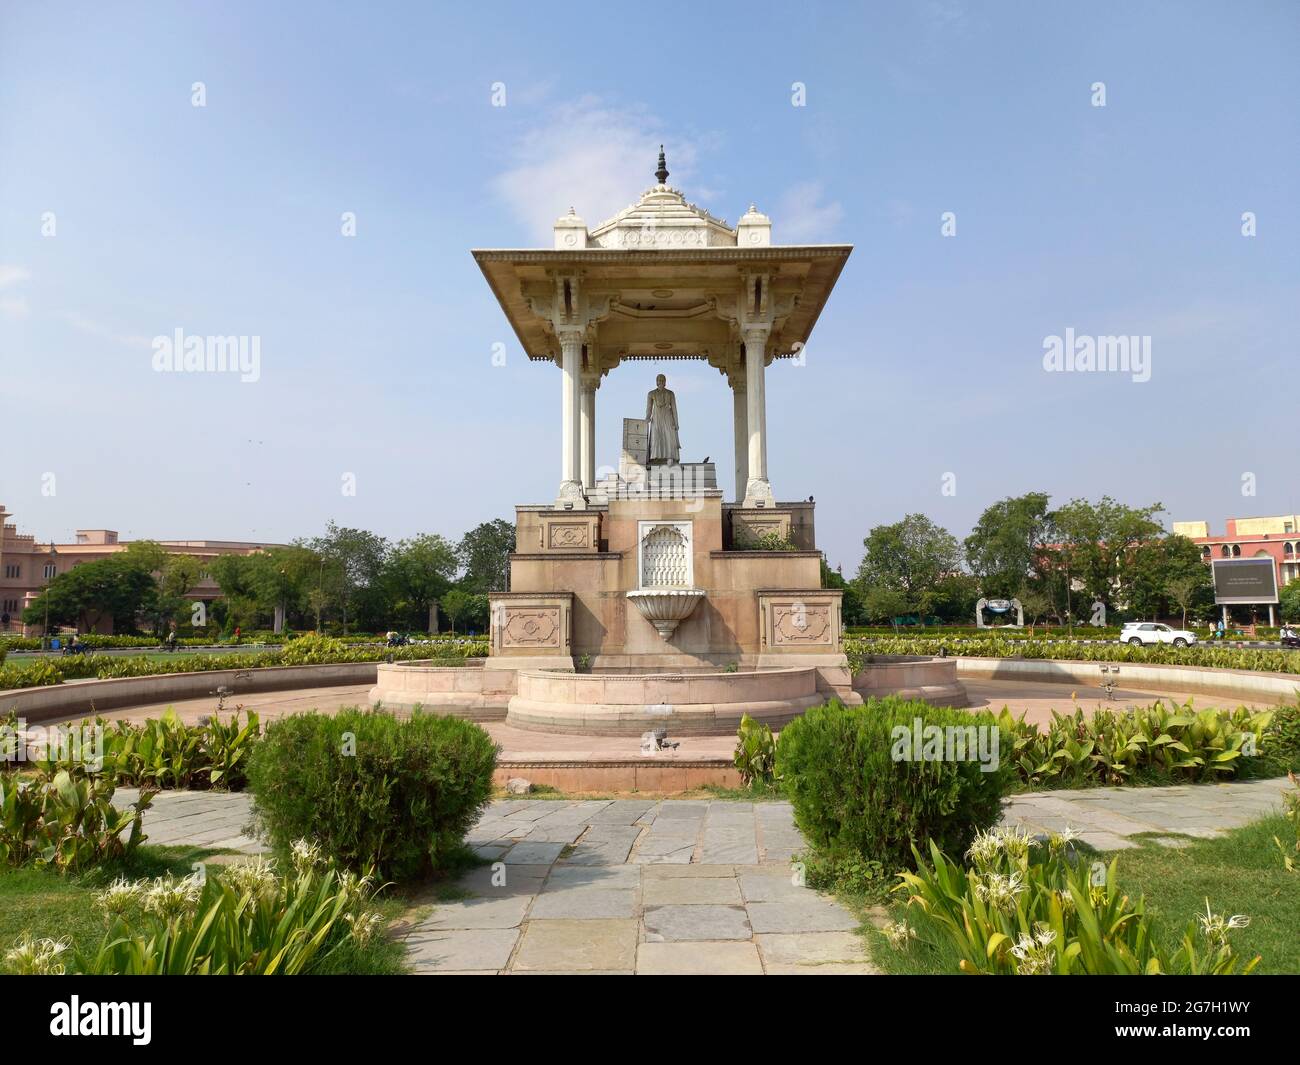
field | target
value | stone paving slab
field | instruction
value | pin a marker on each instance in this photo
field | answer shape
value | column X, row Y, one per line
column 684, row 891
column 695, row 922
column 461, row 950
column 698, row 959
column 575, row 946
column 683, row 886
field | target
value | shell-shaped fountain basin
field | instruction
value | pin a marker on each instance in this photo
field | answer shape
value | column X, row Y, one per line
column 665, row 607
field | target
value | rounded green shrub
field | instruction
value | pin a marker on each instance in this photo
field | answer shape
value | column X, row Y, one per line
column 376, row 792
column 870, row 781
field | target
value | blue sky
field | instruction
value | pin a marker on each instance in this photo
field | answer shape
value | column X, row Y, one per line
column 376, row 350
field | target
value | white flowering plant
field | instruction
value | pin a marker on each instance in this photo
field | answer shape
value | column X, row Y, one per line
column 1026, row 906
column 247, row 918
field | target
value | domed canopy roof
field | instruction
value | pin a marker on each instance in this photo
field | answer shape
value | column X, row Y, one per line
column 663, row 219
column 671, row 278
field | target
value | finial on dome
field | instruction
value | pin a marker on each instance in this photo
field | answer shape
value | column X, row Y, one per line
column 662, row 172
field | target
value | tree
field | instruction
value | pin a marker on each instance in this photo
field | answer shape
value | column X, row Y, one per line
column 418, row 572
column 464, row 606
column 353, row 567
column 851, row 612
column 911, row 557
column 1289, row 601
column 484, row 552
column 234, row 576
column 1182, row 590
column 1003, row 549
column 1096, row 544
column 176, row 576
column 1036, row 604
column 1157, row 567
column 881, row 603
column 283, row 577
column 114, row 588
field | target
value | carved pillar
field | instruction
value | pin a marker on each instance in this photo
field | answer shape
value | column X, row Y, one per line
column 758, row 491
column 570, row 494
column 587, row 419
column 740, row 426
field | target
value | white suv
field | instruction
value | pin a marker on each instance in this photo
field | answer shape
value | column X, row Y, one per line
column 1149, row 632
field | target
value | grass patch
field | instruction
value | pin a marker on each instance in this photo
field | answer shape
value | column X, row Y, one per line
column 43, row 902
column 1240, row 873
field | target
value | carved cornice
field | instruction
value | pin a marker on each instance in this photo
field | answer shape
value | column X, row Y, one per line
column 604, row 256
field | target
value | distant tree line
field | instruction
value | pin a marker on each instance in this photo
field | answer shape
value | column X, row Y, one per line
column 348, row 580
column 1057, row 561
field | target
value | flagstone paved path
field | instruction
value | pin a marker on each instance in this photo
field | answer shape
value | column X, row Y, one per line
column 681, row 886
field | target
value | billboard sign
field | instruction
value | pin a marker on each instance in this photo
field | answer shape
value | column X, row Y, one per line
column 1244, row 581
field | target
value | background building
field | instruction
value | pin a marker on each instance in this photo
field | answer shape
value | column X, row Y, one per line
column 28, row 565
column 1276, row 538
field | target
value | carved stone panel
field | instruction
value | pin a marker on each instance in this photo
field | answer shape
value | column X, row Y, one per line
column 567, row 531
column 528, row 624
column 531, row 628
column 801, row 623
column 795, row 621
column 748, row 526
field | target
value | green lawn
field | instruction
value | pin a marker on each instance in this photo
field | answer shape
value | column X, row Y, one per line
column 1240, row 873
column 52, row 906
column 59, row 907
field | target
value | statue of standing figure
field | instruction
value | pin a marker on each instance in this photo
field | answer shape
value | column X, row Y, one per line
column 661, row 413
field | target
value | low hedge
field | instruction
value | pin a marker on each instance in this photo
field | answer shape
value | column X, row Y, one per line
column 304, row 651
column 378, row 793
column 861, row 649
column 857, row 795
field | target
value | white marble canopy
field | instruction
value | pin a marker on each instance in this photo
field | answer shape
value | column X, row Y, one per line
column 663, row 279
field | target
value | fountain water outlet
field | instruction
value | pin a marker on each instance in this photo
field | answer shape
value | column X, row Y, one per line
column 665, row 607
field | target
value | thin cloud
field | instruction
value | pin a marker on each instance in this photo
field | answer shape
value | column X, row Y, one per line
column 11, row 275
column 97, row 329
column 589, row 156
column 803, row 214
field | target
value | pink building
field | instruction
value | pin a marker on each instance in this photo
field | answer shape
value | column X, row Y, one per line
column 27, row 565
column 1276, row 538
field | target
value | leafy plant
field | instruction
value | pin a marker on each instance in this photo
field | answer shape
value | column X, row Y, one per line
column 376, row 791
column 1028, row 908
column 755, row 755
column 855, row 793
column 68, row 822
column 1111, row 747
column 164, row 752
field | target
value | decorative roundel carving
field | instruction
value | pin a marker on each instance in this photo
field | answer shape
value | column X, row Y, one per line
column 754, row 236
column 570, row 238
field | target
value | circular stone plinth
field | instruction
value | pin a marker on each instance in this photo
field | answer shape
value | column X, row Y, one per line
column 476, row 690
column 701, row 704
column 933, row 680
